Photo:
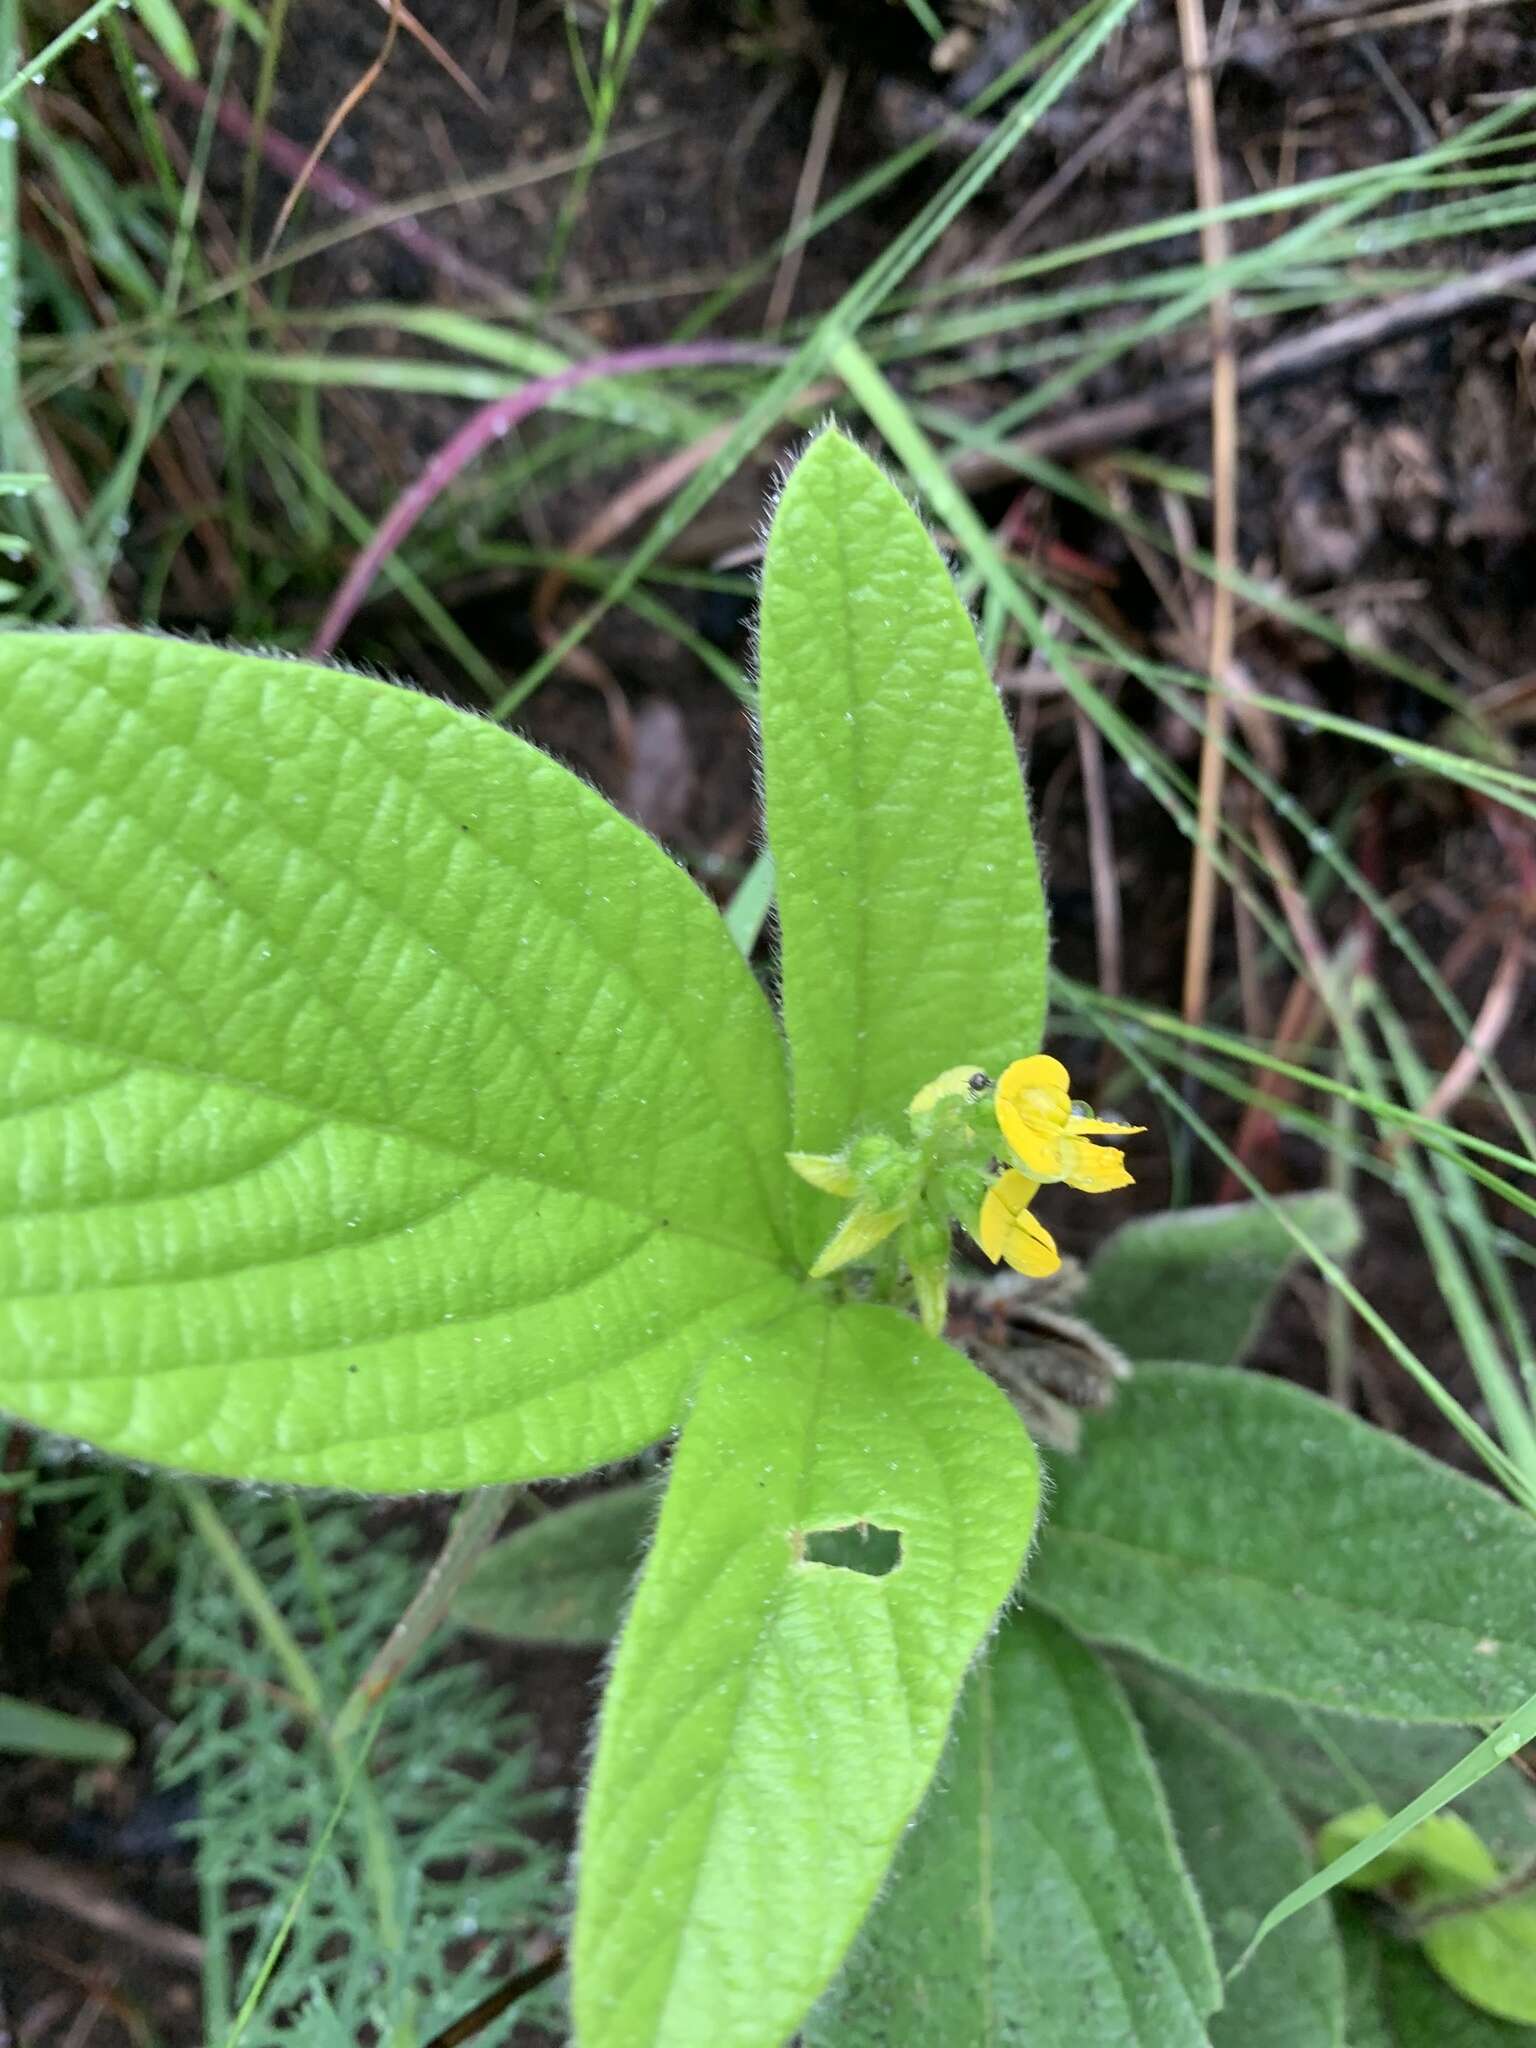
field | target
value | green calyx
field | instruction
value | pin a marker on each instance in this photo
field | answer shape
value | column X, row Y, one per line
column 905, row 1190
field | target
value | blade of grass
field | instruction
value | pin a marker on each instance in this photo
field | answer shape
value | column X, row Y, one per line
column 1511, row 1735
column 18, row 75
column 747, row 911
column 20, row 447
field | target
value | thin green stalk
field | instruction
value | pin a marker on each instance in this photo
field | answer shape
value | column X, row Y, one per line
column 279, row 1638
column 622, row 35
column 251, row 2003
column 21, row 451
column 33, row 72
column 346, row 1757
column 1507, row 1404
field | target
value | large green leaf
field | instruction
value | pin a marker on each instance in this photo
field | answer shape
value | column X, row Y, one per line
column 381, row 1109
column 910, row 911
column 565, row 1578
column 1193, row 1284
column 1041, row 1898
column 1246, row 1852
column 771, row 1722
column 1254, row 1537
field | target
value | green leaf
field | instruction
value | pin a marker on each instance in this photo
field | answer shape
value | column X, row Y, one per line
column 1442, row 1848
column 1254, row 1537
column 1327, row 1762
column 910, row 913
column 26, row 1730
column 565, row 1578
column 1489, row 1956
column 1041, row 1898
column 771, row 1722
column 1194, row 1284
column 169, row 31
column 1397, row 2001
column 381, row 1109
column 1367, row 2025
column 1245, row 1852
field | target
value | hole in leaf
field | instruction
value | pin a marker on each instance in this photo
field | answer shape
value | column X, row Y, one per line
column 861, row 1547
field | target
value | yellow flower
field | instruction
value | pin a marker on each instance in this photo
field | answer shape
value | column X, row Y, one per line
column 1052, row 1137
column 1008, row 1231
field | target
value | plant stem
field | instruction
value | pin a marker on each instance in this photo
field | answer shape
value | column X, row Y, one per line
column 478, row 1519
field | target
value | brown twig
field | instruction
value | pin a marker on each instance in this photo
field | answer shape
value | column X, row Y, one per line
column 83, row 1897
column 1214, row 250
column 829, row 105
column 1488, row 1028
column 1101, row 854
column 440, row 57
column 1097, row 427
column 353, row 97
column 492, row 2007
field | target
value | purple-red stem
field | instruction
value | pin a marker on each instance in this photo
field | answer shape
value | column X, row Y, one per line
column 489, row 424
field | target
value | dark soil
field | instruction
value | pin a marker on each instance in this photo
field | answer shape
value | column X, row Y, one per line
column 1396, row 490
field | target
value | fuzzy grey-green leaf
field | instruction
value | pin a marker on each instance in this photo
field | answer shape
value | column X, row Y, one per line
column 1193, row 1284
column 1245, row 1852
column 1253, row 1537
column 1041, row 1899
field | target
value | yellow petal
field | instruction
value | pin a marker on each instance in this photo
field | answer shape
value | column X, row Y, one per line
column 1102, row 1127
column 1037, row 1151
column 1093, row 1169
column 953, row 1081
column 833, row 1176
column 859, row 1232
column 1007, row 1230
column 1038, row 1071
column 1034, row 1108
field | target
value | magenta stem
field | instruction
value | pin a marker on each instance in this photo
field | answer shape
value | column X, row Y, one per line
column 489, row 424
